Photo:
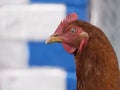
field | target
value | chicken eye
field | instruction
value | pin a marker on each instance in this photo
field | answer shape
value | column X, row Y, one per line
column 73, row 30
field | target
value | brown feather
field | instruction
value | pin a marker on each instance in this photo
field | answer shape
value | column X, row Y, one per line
column 97, row 65
column 96, row 62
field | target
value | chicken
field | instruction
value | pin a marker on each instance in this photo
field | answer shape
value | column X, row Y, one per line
column 96, row 62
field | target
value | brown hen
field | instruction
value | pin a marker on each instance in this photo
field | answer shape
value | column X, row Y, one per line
column 96, row 62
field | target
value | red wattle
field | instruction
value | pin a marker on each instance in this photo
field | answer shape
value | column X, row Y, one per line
column 68, row 48
column 83, row 42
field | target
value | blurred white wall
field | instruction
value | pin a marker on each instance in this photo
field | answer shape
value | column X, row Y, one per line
column 13, row 54
column 30, row 22
column 33, row 79
column 13, row 2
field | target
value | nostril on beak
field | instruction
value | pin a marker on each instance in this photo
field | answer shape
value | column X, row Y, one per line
column 56, row 35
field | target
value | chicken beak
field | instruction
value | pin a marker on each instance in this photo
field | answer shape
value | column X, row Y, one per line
column 53, row 39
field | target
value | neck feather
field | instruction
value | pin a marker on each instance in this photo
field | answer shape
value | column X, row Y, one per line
column 97, row 66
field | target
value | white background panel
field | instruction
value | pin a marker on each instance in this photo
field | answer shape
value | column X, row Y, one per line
column 33, row 79
column 13, row 2
column 13, row 54
column 30, row 22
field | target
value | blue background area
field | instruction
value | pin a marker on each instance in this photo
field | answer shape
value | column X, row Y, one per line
column 50, row 55
column 67, row 2
column 54, row 54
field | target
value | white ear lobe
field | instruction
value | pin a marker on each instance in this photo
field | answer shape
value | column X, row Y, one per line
column 84, row 38
column 84, row 35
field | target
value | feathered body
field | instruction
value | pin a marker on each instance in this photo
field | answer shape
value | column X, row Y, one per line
column 96, row 62
column 97, row 65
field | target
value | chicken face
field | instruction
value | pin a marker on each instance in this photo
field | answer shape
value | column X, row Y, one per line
column 72, row 37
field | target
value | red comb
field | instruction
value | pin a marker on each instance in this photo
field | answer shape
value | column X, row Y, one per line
column 69, row 18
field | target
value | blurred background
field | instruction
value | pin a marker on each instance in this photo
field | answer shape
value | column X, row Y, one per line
column 26, row 62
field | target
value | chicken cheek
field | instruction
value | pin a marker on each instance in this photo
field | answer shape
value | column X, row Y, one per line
column 68, row 48
column 83, row 42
